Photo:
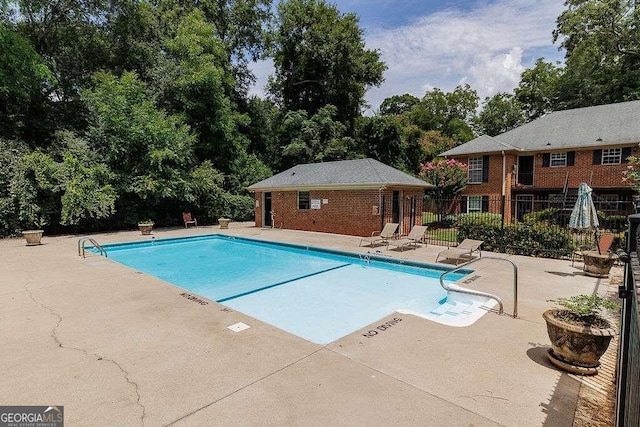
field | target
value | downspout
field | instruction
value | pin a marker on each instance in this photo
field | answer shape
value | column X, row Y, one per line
column 502, row 199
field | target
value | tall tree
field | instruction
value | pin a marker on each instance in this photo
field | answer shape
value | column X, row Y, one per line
column 320, row 58
column 398, row 104
column 450, row 113
column 500, row 113
column 602, row 42
column 538, row 89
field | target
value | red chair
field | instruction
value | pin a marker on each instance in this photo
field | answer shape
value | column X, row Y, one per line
column 188, row 219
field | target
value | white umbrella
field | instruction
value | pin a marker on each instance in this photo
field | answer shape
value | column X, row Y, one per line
column 584, row 214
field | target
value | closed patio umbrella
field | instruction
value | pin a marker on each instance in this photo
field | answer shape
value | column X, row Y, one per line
column 584, row 215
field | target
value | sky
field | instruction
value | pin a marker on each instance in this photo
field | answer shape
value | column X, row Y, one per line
column 441, row 44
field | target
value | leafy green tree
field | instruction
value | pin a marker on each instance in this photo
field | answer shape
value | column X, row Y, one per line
column 538, row 89
column 434, row 143
column 382, row 139
column 320, row 58
column 602, row 43
column 315, row 139
column 398, row 104
column 500, row 113
column 450, row 113
column 450, row 179
column 23, row 77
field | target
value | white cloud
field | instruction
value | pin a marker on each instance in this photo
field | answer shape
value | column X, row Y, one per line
column 485, row 45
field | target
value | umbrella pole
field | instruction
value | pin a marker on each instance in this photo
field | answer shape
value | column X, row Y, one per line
column 595, row 237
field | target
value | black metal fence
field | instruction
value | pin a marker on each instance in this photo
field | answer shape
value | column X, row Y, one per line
column 522, row 225
column 628, row 378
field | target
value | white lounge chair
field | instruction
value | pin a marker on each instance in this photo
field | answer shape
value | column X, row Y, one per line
column 414, row 238
column 463, row 252
column 382, row 237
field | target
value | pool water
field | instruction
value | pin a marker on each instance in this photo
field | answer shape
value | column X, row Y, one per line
column 319, row 295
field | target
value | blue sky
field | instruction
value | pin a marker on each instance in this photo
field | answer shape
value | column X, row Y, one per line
column 428, row 44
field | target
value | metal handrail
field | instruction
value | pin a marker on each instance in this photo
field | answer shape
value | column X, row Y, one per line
column 95, row 244
column 486, row 294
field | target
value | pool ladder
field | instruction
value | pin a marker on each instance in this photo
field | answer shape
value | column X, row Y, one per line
column 486, row 294
column 95, row 244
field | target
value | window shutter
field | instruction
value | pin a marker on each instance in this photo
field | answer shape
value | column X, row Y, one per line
column 463, row 204
column 546, row 160
column 571, row 158
column 626, row 152
column 597, row 157
column 485, row 203
column 485, row 168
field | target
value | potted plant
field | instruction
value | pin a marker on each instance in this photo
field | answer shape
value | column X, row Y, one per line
column 579, row 334
column 224, row 222
column 33, row 236
column 145, row 226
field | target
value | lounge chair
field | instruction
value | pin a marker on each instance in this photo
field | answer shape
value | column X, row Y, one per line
column 414, row 238
column 188, row 219
column 382, row 237
column 463, row 252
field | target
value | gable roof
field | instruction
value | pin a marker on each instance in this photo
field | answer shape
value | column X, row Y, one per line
column 598, row 126
column 360, row 173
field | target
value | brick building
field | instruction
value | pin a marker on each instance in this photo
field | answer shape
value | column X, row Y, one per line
column 354, row 197
column 545, row 160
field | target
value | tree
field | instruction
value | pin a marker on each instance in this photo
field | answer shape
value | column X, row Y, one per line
column 320, row 59
column 381, row 139
column 449, row 178
column 602, row 42
column 398, row 104
column 500, row 113
column 450, row 113
column 538, row 89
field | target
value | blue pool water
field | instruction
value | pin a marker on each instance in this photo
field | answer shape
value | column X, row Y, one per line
column 316, row 294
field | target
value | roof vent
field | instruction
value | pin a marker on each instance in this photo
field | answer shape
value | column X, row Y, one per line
column 599, row 139
column 293, row 173
column 548, row 143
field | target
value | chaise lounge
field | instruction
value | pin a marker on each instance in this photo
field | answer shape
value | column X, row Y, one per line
column 463, row 252
column 413, row 239
column 382, row 237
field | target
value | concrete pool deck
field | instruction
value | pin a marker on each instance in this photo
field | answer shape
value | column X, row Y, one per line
column 119, row 347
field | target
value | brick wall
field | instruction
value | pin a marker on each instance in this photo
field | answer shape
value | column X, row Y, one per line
column 351, row 212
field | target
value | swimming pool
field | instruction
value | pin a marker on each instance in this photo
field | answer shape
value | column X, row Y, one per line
column 317, row 294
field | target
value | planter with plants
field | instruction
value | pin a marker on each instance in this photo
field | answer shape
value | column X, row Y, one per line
column 146, row 226
column 33, row 235
column 579, row 334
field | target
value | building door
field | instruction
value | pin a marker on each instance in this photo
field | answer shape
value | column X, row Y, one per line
column 525, row 170
column 395, row 207
column 266, row 211
column 524, row 205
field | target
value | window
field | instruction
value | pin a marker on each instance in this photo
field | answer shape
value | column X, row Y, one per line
column 475, row 170
column 608, row 202
column 611, row 156
column 474, row 204
column 304, row 200
column 558, row 160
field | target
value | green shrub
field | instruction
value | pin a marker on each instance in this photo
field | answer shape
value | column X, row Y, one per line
column 520, row 239
column 238, row 208
column 549, row 215
column 478, row 218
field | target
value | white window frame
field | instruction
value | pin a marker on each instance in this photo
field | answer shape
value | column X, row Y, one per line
column 308, row 201
column 476, row 201
column 611, row 156
column 558, row 160
column 474, row 170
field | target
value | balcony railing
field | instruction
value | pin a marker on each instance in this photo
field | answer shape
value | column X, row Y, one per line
column 598, row 177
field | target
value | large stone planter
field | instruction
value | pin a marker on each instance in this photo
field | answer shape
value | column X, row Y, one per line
column 145, row 228
column 596, row 264
column 576, row 348
column 224, row 222
column 33, row 237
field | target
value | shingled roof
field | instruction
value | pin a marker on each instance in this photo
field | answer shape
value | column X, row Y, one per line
column 360, row 173
column 602, row 125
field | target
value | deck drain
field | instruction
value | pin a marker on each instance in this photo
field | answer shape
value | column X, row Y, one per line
column 237, row 327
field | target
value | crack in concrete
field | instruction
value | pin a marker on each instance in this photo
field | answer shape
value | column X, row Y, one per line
column 60, row 344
